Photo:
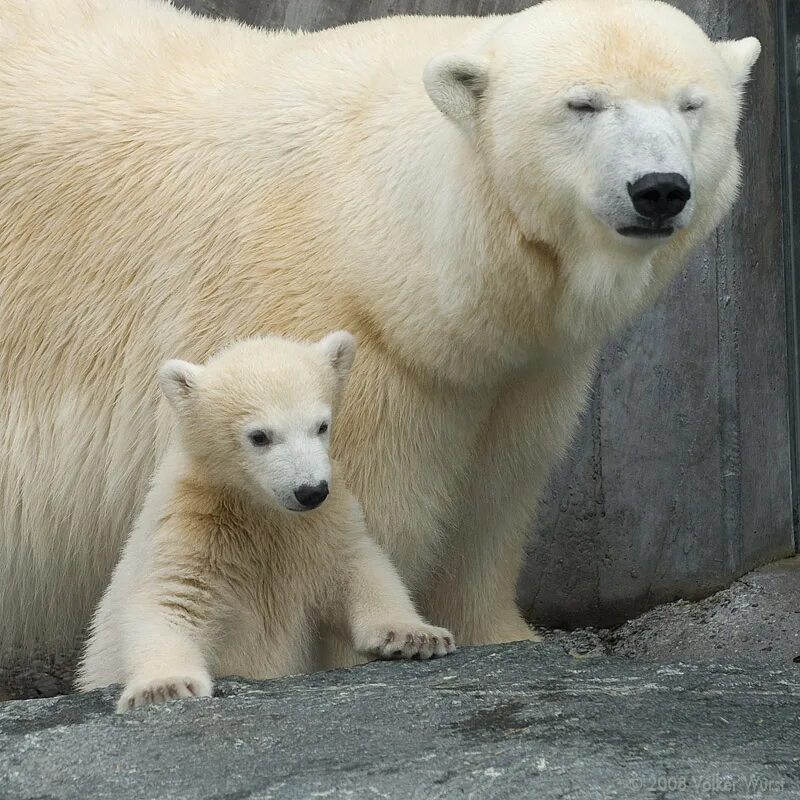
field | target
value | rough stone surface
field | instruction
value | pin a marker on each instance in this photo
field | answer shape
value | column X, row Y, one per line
column 523, row 720
column 691, row 700
column 42, row 675
column 757, row 620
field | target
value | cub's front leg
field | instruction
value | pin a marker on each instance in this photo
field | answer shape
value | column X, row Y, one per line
column 159, row 690
column 159, row 614
column 382, row 620
column 165, row 643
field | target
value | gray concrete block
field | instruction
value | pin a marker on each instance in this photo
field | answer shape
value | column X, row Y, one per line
column 521, row 720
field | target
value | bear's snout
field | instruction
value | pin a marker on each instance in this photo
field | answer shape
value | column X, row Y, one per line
column 310, row 496
column 660, row 196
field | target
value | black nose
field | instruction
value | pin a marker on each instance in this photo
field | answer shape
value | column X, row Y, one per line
column 311, row 496
column 660, row 195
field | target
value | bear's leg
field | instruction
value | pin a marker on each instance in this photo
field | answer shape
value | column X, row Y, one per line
column 379, row 614
column 163, row 650
column 530, row 426
column 475, row 594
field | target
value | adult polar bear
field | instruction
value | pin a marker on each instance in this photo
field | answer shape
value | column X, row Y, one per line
column 481, row 201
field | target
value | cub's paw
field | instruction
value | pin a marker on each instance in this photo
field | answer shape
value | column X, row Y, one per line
column 161, row 690
column 410, row 640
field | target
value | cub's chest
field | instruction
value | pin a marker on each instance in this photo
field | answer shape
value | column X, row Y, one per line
column 280, row 593
column 272, row 571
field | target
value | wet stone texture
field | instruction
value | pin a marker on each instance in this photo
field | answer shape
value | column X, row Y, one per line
column 757, row 620
column 523, row 720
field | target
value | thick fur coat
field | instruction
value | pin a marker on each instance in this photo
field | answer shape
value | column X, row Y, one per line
column 451, row 190
column 226, row 571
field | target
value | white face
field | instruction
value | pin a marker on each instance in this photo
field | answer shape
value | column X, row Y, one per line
column 601, row 124
column 643, row 173
column 258, row 416
column 286, row 455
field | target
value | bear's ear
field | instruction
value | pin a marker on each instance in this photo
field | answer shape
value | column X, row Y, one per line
column 340, row 350
column 178, row 380
column 739, row 56
column 456, row 82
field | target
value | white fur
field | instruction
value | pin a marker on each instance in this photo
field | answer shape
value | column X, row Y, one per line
column 174, row 183
column 218, row 577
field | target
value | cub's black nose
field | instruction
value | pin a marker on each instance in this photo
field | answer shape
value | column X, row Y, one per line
column 311, row 496
column 660, row 195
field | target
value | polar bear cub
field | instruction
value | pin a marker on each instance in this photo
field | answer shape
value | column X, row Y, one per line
column 249, row 556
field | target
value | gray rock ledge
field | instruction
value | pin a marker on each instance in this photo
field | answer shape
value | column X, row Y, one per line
column 523, row 720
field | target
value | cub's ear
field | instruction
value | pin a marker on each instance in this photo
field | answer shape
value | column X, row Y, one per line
column 340, row 350
column 178, row 380
column 456, row 82
column 740, row 55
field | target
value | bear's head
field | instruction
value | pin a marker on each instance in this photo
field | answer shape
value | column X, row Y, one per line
column 604, row 125
column 257, row 416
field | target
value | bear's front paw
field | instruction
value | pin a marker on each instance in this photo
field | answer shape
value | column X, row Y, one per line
column 410, row 640
column 161, row 690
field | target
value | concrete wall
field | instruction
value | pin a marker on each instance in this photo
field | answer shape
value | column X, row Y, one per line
column 679, row 479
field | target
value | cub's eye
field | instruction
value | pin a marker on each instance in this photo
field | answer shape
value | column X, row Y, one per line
column 691, row 106
column 323, row 428
column 259, row 438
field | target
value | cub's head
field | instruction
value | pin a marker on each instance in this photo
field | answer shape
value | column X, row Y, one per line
column 258, row 415
column 610, row 123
